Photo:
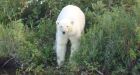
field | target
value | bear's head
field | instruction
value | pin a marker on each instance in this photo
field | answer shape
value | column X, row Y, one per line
column 65, row 26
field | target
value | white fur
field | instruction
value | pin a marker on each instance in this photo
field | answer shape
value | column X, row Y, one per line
column 71, row 20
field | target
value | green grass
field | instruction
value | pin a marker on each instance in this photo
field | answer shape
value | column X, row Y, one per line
column 110, row 44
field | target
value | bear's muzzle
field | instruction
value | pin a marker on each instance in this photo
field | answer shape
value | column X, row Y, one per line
column 63, row 32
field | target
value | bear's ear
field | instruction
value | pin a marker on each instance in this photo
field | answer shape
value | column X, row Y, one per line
column 57, row 22
column 72, row 22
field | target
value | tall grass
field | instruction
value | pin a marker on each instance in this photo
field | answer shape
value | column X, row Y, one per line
column 110, row 44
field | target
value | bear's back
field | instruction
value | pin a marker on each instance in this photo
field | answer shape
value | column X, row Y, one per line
column 73, row 13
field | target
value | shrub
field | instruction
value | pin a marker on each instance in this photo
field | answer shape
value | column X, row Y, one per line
column 110, row 45
column 11, row 37
column 46, row 39
column 10, row 10
column 37, row 50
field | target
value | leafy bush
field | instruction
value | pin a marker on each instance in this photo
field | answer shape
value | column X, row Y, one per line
column 11, row 36
column 46, row 39
column 39, row 47
column 10, row 10
column 110, row 45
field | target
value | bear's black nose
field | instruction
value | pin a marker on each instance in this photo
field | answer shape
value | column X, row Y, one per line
column 63, row 32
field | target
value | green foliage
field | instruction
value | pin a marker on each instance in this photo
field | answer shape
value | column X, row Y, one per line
column 110, row 44
column 46, row 39
column 11, row 36
column 10, row 10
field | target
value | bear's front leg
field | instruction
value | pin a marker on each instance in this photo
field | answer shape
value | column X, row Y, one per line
column 75, row 42
column 61, row 42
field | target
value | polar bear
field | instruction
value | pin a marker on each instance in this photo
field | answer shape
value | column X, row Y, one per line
column 69, row 26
